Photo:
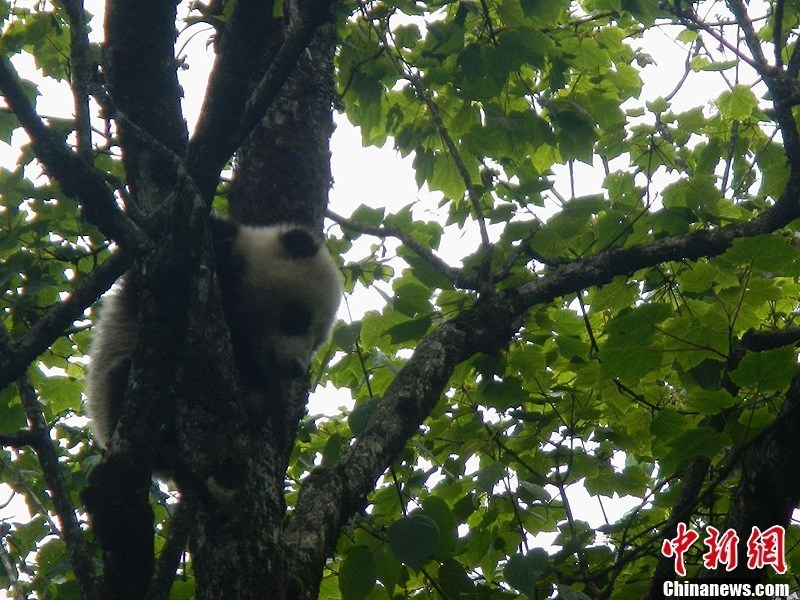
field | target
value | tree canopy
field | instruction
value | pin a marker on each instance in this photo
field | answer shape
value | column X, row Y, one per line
column 619, row 325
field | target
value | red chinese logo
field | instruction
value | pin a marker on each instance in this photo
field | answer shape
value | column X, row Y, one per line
column 763, row 548
column 766, row 548
column 677, row 546
column 721, row 549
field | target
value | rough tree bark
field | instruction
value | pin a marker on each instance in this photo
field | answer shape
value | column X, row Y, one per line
column 282, row 173
column 182, row 366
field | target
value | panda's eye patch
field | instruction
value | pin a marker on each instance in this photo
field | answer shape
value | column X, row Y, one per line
column 299, row 243
column 295, row 319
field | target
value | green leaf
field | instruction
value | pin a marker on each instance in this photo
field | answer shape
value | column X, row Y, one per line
column 738, row 103
column 446, row 524
column 478, row 77
column 333, row 449
column 522, row 571
column 358, row 574
column 709, row 402
column 412, row 298
column 62, row 393
column 503, row 394
column 360, row 414
column 768, row 370
column 182, row 590
column 699, row 441
column 546, row 11
column 413, row 539
column 627, row 352
column 409, row 330
column 387, row 567
column 566, row 592
column 769, row 253
column 367, row 215
column 575, row 129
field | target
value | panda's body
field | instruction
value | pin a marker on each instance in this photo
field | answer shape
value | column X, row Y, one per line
column 280, row 293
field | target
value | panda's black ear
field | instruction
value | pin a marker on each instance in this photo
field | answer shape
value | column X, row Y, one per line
column 300, row 243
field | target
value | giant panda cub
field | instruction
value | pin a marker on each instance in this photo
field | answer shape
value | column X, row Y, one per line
column 280, row 293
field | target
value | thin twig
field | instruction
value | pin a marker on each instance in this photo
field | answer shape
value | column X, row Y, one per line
column 739, row 11
column 777, row 33
column 81, row 73
column 691, row 20
column 473, row 193
column 452, row 274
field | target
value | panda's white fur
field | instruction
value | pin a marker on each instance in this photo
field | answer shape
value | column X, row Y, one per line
column 112, row 345
column 281, row 290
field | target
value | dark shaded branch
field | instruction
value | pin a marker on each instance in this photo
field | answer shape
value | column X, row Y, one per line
column 311, row 15
column 690, row 487
column 769, row 462
column 141, row 72
column 248, row 44
column 117, row 498
column 759, row 341
column 81, row 557
column 739, row 11
column 282, row 171
column 81, row 73
column 602, row 267
column 76, row 178
column 793, row 68
column 777, row 32
column 691, row 493
column 180, row 524
column 206, row 157
column 55, row 321
column 20, row 439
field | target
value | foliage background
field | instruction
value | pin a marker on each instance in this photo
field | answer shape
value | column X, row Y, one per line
column 649, row 383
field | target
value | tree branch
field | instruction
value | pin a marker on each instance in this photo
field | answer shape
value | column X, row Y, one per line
column 777, row 32
column 208, row 153
column 19, row 354
column 180, row 524
column 330, row 495
column 452, row 274
column 312, row 14
column 81, row 557
column 768, row 462
column 473, row 193
column 81, row 67
column 739, row 11
column 20, row 439
column 248, row 44
column 75, row 176
column 141, row 71
column 689, row 18
column 759, row 341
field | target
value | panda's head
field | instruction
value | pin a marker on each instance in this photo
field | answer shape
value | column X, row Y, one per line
column 290, row 291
